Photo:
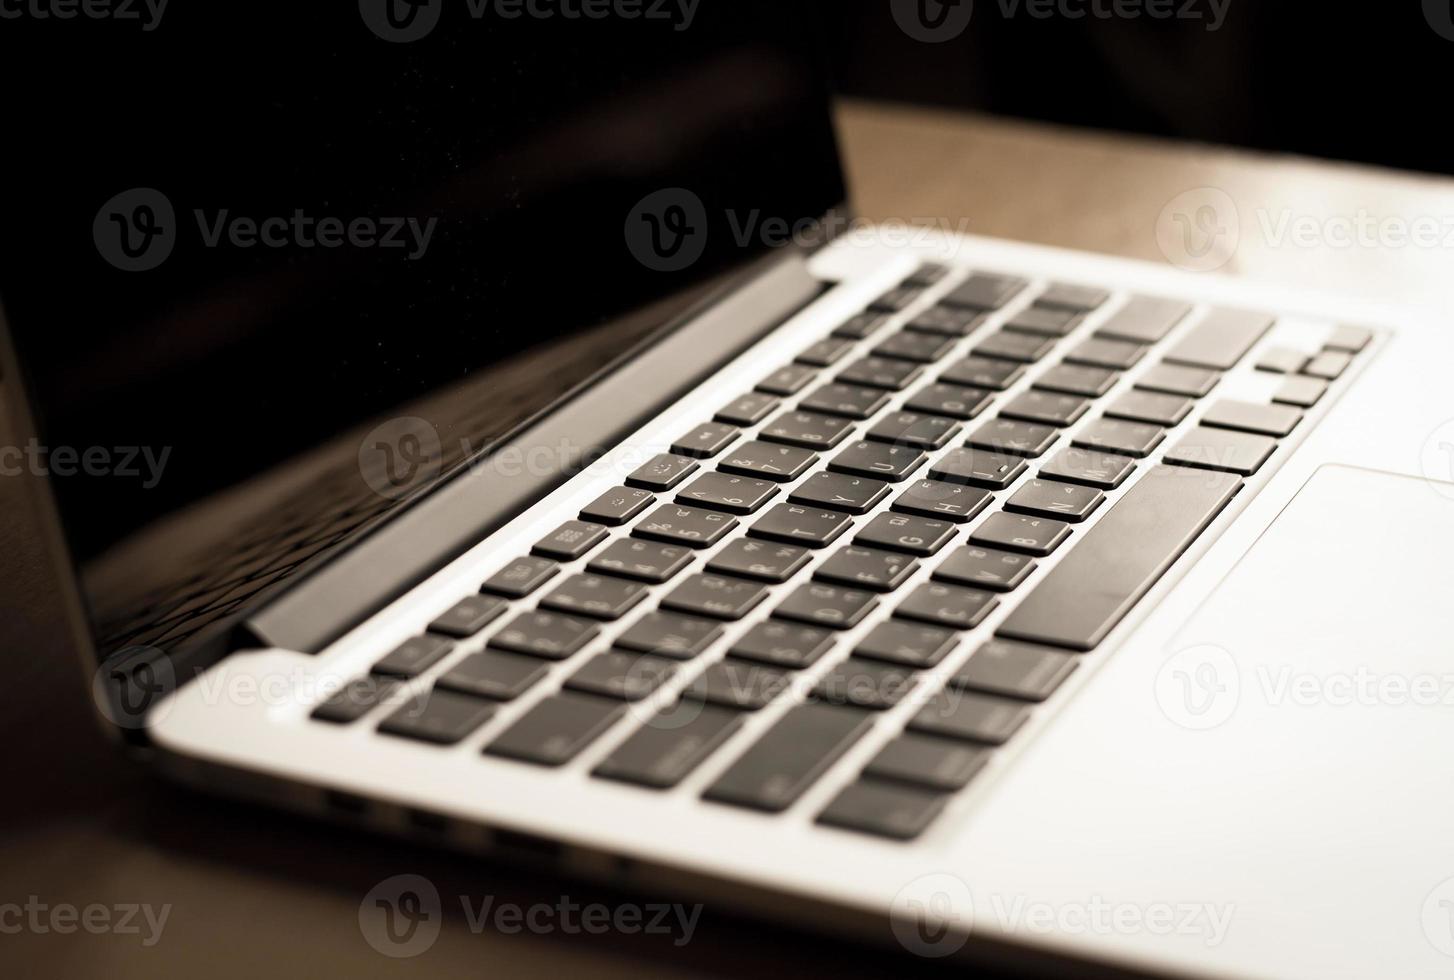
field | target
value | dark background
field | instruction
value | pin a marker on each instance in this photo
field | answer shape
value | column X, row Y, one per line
column 1367, row 82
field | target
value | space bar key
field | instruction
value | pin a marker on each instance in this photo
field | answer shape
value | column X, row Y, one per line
column 1120, row 558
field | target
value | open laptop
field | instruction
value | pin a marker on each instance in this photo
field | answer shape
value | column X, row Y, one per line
column 495, row 430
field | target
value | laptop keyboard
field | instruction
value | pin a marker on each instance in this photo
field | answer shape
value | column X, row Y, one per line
column 768, row 520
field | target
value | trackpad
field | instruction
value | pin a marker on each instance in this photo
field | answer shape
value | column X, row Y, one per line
column 1344, row 601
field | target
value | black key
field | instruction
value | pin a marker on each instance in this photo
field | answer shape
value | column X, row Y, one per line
column 1082, row 299
column 1350, row 339
column 833, row 606
column 764, row 560
column 723, row 491
column 867, row 684
column 616, row 507
column 881, row 372
column 1014, row 437
column 355, row 699
column 628, row 676
column 883, row 809
column 826, row 353
column 545, row 634
column 790, row 757
column 927, row 274
column 1012, row 345
column 596, row 596
column 954, row 401
column 787, row 380
column 1120, row 558
column 1302, row 392
column 1221, row 339
column 973, row 717
column 498, row 676
column 1177, row 379
column 670, row 635
column 1267, row 420
column 849, row 401
column 556, row 730
column 783, row 644
column 867, row 568
column 978, row 467
column 1144, row 319
column 1046, row 498
column 1328, row 365
column 670, row 746
column 983, row 372
column 648, row 561
column 836, row 491
column 1091, row 467
column 1120, row 355
column 916, row 345
column 1156, row 408
column 468, row 616
column 662, row 472
column 717, row 596
column 1015, row 670
column 689, row 526
column 923, row 760
column 896, row 300
column 781, row 464
column 570, row 541
column 749, row 409
column 877, row 460
column 911, row 644
column 861, row 326
column 521, row 577
column 438, row 717
column 1045, row 408
column 913, row 429
column 983, row 291
column 985, row 568
column 739, row 684
column 950, row 502
column 807, row 430
column 1241, row 453
column 1044, row 320
column 414, row 656
column 1136, row 439
column 947, row 320
column 1078, row 379
column 1037, row 536
column 706, row 440
column 811, row 527
column 909, row 533
column 947, row 605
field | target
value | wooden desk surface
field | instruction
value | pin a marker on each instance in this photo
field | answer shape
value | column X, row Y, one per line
column 256, row 893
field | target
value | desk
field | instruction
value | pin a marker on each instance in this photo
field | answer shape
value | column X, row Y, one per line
column 255, row 893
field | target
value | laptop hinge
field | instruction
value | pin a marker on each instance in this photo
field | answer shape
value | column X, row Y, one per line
column 456, row 517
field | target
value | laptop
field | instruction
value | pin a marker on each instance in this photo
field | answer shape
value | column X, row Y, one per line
column 500, row 431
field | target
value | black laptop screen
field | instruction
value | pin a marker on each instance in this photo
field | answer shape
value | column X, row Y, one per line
column 245, row 244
